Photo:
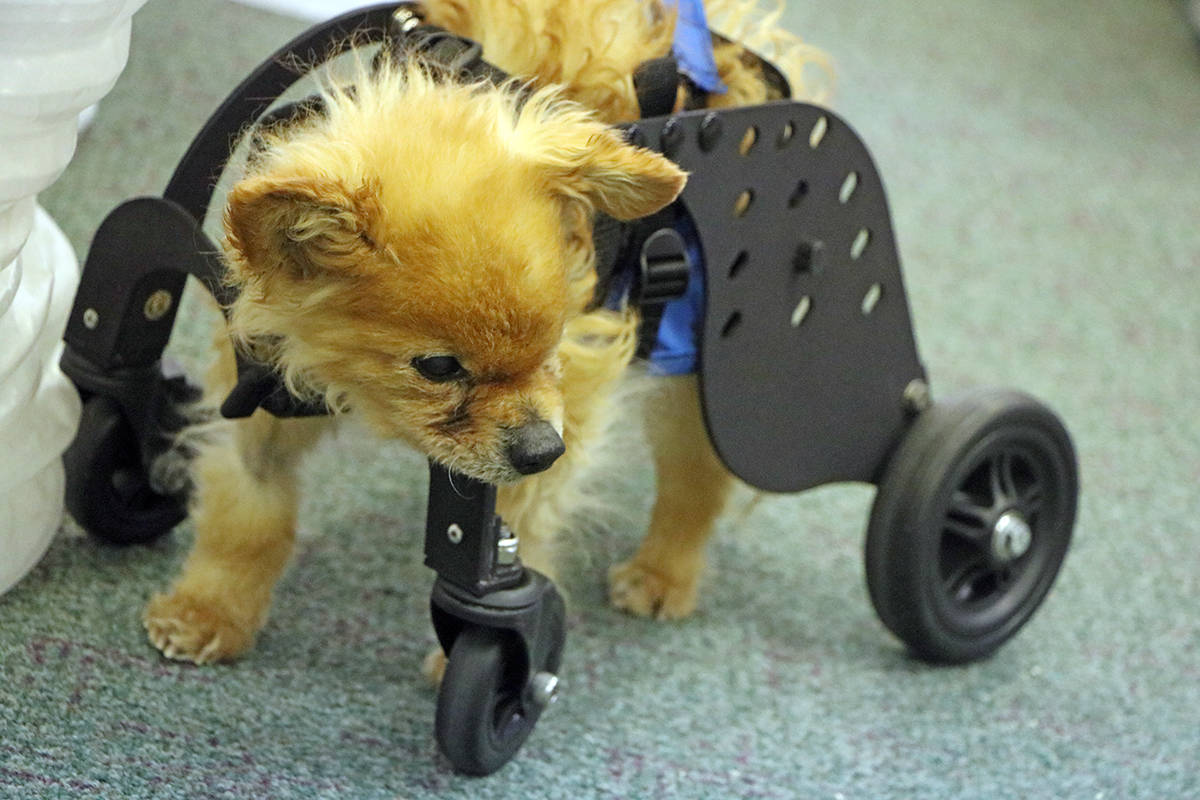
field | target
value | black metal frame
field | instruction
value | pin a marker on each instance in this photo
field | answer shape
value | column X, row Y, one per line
column 808, row 362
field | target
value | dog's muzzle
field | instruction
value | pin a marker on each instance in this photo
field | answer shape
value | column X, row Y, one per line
column 534, row 446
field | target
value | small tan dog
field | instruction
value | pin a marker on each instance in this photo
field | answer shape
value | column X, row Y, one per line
column 420, row 254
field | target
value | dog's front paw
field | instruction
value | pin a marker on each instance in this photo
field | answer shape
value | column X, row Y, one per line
column 646, row 592
column 186, row 629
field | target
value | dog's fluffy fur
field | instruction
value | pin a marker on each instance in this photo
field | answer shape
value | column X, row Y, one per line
column 417, row 217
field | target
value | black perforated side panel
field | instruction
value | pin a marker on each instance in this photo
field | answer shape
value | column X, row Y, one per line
column 807, row 343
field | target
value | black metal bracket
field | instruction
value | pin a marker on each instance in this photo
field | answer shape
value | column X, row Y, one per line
column 806, row 346
column 481, row 581
column 466, row 542
column 124, row 309
column 132, row 280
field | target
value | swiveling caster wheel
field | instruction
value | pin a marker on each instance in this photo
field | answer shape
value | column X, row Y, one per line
column 108, row 490
column 489, row 701
column 971, row 523
column 501, row 625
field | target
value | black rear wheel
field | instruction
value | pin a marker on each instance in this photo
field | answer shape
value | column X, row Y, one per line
column 971, row 523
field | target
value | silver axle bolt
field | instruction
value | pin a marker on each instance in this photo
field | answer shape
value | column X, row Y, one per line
column 916, row 396
column 1011, row 536
column 407, row 17
column 506, row 548
column 543, row 689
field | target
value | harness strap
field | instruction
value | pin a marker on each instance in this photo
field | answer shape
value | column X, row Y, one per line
column 610, row 238
column 260, row 386
column 457, row 54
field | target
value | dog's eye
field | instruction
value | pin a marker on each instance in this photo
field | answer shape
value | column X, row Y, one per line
column 439, row 368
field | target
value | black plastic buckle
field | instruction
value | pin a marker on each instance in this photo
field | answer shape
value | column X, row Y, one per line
column 260, row 385
column 662, row 269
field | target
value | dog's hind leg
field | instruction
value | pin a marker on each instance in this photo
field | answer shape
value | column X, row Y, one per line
column 245, row 521
column 693, row 486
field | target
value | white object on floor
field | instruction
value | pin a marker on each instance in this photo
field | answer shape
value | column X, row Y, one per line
column 57, row 57
column 86, row 118
column 310, row 10
column 39, row 407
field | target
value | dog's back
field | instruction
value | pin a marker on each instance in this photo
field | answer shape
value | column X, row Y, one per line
column 591, row 47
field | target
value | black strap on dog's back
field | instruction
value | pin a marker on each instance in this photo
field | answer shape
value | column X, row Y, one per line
column 457, row 55
column 656, row 83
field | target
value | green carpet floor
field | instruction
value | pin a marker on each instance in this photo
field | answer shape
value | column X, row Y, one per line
column 1043, row 162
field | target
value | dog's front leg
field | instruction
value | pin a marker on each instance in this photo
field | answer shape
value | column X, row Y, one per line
column 245, row 520
column 661, row 579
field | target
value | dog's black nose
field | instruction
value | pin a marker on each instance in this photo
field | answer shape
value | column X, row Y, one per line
column 534, row 446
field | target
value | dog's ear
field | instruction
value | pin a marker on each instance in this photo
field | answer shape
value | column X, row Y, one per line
column 300, row 226
column 617, row 178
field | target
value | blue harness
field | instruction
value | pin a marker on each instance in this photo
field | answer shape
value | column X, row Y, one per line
column 675, row 351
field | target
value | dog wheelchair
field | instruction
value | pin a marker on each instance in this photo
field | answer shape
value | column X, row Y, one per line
column 805, row 324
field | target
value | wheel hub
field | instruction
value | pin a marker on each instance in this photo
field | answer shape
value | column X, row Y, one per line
column 1011, row 536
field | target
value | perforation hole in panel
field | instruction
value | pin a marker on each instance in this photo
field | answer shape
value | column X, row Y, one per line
column 739, row 262
column 749, row 139
column 798, row 194
column 731, row 324
column 848, row 187
column 743, row 202
column 819, row 129
column 785, row 135
column 871, row 299
column 861, row 240
column 807, row 258
column 801, row 311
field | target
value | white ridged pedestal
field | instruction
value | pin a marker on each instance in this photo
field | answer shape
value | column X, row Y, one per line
column 57, row 57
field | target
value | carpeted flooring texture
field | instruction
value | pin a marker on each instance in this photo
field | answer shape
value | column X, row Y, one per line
column 1043, row 164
